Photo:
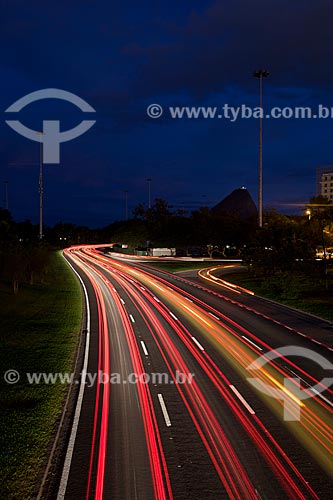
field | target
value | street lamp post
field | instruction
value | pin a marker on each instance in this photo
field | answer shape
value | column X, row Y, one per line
column 40, row 187
column 308, row 213
column 261, row 73
column 6, row 194
column 126, row 204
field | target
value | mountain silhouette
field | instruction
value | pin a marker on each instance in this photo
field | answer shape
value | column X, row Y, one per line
column 238, row 204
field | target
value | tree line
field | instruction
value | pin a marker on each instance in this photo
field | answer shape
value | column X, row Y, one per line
column 283, row 244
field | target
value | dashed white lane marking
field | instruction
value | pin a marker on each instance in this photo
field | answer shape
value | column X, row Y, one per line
column 198, row 343
column 157, row 300
column 240, row 397
column 255, row 345
column 122, row 301
column 144, row 348
column 310, row 388
column 174, row 317
column 213, row 316
column 321, row 396
column 188, row 299
column 164, row 411
column 132, row 319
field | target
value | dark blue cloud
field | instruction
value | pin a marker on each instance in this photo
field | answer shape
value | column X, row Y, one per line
column 120, row 57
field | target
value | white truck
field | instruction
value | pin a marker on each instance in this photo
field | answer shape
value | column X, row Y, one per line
column 162, row 252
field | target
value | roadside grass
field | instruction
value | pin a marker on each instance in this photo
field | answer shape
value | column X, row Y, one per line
column 306, row 294
column 39, row 333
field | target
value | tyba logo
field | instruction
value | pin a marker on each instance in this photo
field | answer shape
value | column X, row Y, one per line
column 50, row 136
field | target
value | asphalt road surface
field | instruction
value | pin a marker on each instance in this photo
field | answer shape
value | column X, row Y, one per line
column 172, row 412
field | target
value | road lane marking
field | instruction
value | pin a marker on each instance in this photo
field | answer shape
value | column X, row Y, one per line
column 321, row 396
column 255, row 345
column 71, row 443
column 164, row 411
column 144, row 348
column 198, row 343
column 240, row 397
column 213, row 315
column 311, row 388
column 132, row 319
column 122, row 301
column 157, row 300
column 188, row 299
column 174, row 317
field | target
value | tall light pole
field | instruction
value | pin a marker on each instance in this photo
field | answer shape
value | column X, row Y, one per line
column 126, row 205
column 261, row 73
column 40, row 187
column 149, row 192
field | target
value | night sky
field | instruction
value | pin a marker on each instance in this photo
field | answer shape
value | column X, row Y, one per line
column 121, row 56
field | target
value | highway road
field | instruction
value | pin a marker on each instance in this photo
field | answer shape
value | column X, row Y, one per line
column 179, row 417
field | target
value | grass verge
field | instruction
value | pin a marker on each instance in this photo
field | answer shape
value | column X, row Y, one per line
column 39, row 333
column 297, row 291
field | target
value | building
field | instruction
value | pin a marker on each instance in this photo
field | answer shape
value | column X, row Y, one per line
column 325, row 182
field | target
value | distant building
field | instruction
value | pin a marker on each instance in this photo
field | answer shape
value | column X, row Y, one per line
column 162, row 252
column 325, row 182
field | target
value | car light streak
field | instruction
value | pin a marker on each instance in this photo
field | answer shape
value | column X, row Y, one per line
column 238, row 346
column 206, row 275
column 100, row 399
column 159, row 472
column 304, row 481
column 219, row 449
column 288, row 483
